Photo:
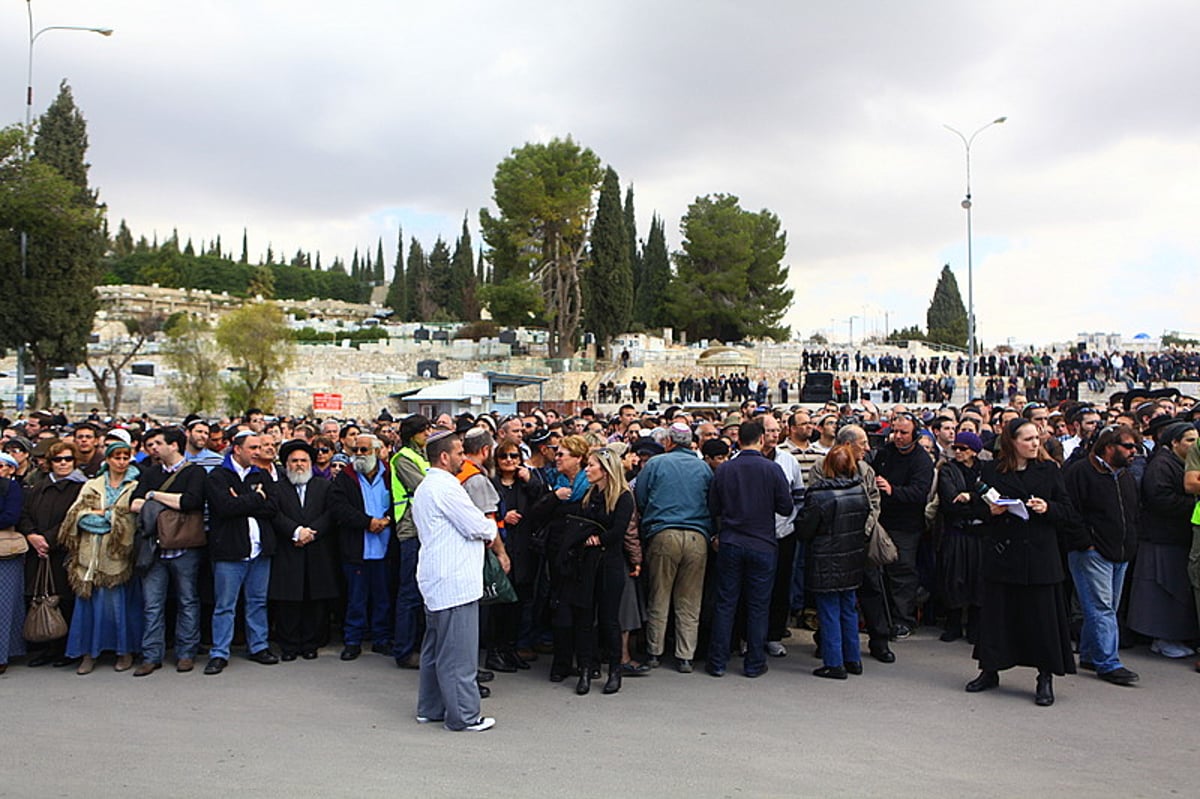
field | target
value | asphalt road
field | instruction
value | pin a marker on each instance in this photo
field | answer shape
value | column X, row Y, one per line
column 332, row 729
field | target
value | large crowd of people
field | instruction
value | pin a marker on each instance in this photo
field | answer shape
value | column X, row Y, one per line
column 465, row 546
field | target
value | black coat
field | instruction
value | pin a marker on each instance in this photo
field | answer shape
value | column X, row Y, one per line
column 310, row 571
column 954, row 479
column 1166, row 508
column 232, row 502
column 519, row 538
column 349, row 514
column 1024, row 552
column 911, row 476
column 582, row 565
column 1108, row 507
column 834, row 521
column 43, row 511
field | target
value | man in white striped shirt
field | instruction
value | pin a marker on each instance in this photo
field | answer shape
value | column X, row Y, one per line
column 453, row 533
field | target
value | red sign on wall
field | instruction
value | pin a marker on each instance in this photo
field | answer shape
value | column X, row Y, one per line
column 327, row 402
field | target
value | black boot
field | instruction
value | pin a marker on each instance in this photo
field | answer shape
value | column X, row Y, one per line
column 985, row 681
column 585, row 682
column 1045, row 689
column 614, row 680
column 953, row 629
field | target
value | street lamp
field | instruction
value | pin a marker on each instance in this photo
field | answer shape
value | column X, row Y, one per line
column 966, row 204
column 19, row 399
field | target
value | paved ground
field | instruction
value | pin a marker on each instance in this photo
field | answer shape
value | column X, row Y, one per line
column 332, row 729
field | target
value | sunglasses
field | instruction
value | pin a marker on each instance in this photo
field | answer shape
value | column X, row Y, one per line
column 62, row 459
column 960, row 448
column 508, row 456
column 1128, row 446
column 362, row 450
column 324, row 449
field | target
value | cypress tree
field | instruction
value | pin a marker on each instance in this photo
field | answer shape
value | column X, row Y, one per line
column 462, row 296
column 397, row 296
column 438, row 276
column 417, row 283
column 608, row 280
column 245, row 259
column 379, row 276
column 649, row 305
column 946, row 318
column 635, row 260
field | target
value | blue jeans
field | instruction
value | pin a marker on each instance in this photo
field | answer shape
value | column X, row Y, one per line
column 1098, row 583
column 796, row 598
column 742, row 573
column 183, row 571
column 839, row 627
column 409, row 605
column 368, row 600
column 229, row 578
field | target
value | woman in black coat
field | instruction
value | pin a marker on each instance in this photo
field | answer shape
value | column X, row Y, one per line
column 834, row 522
column 1161, row 605
column 1024, row 617
column 595, row 574
column 519, row 488
column 960, row 555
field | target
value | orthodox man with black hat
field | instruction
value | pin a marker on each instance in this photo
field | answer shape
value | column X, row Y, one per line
column 453, row 534
column 303, row 571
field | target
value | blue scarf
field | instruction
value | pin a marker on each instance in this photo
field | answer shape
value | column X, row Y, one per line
column 579, row 486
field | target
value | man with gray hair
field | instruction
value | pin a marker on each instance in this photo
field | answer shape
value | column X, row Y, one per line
column 361, row 501
column 672, row 497
column 871, row 597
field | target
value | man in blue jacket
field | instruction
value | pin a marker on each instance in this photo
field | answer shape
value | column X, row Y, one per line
column 746, row 493
column 672, row 495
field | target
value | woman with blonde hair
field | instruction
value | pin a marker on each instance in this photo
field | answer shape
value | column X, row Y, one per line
column 595, row 540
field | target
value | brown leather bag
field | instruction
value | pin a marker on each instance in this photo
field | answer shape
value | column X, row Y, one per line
column 179, row 530
column 45, row 621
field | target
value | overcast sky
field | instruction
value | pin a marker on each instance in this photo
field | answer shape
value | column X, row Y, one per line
column 324, row 126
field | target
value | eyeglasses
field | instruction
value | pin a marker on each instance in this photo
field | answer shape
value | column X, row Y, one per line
column 324, row 449
column 1128, row 446
column 362, row 450
column 508, row 456
column 63, row 459
column 960, row 448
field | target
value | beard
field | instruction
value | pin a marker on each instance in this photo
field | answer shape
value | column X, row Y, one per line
column 365, row 463
column 299, row 478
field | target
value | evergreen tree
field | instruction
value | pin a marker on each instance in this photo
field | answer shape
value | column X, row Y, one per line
column 462, row 297
column 338, row 266
column 189, row 249
column 649, row 309
column 480, row 271
column 438, row 275
column 216, row 250
column 58, row 299
column 608, row 279
column 270, row 255
column 419, row 301
column 355, row 269
column 946, row 318
column 317, row 263
column 379, row 276
column 245, row 259
column 123, row 243
column 731, row 283
column 397, row 296
column 635, row 259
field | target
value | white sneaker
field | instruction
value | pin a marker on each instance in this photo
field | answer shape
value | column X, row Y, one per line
column 1171, row 649
column 427, row 720
column 776, row 650
column 484, row 723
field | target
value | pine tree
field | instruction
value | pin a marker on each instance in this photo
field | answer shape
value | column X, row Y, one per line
column 649, row 304
column 57, row 298
column 946, row 318
column 608, row 279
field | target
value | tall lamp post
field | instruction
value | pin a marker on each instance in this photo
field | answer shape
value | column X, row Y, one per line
column 19, row 399
column 966, row 204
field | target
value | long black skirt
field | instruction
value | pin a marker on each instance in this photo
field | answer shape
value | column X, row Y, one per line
column 1024, row 625
column 961, row 569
